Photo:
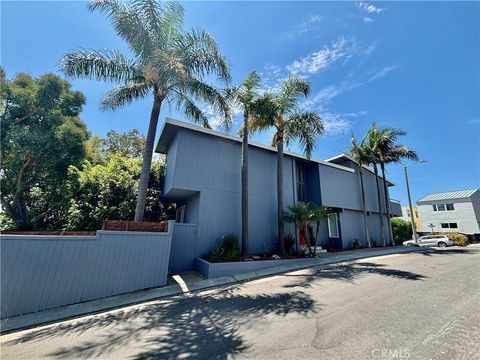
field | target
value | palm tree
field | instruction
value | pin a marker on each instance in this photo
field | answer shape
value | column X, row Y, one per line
column 168, row 64
column 245, row 96
column 317, row 214
column 370, row 141
column 291, row 124
column 362, row 156
column 389, row 151
column 300, row 214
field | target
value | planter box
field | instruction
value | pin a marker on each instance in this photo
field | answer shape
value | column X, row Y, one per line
column 214, row 270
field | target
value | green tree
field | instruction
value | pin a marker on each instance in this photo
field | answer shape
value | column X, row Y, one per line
column 402, row 230
column 169, row 64
column 245, row 96
column 107, row 191
column 129, row 144
column 299, row 214
column 361, row 154
column 317, row 214
column 281, row 111
column 389, row 151
column 41, row 135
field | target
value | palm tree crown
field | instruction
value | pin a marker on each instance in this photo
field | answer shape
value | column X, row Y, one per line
column 168, row 64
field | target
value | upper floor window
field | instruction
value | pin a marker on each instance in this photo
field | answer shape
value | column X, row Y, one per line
column 443, row 207
column 301, row 182
column 449, row 226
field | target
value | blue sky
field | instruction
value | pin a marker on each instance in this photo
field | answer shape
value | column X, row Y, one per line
column 412, row 65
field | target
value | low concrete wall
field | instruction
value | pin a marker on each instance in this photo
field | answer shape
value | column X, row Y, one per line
column 213, row 270
column 44, row 272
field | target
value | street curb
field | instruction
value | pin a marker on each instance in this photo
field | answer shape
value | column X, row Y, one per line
column 79, row 310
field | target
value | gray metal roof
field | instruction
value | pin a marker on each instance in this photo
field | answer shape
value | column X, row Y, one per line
column 460, row 194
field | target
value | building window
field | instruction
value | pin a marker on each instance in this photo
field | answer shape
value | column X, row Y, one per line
column 333, row 225
column 449, row 226
column 434, row 207
column 444, row 226
column 301, row 183
column 450, row 207
column 441, row 207
column 453, row 226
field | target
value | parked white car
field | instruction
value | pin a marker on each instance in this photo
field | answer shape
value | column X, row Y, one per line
column 430, row 240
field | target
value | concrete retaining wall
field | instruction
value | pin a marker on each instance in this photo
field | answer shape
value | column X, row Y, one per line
column 44, row 272
column 214, row 270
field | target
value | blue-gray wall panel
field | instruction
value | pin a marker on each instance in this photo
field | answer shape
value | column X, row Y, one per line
column 184, row 248
column 43, row 272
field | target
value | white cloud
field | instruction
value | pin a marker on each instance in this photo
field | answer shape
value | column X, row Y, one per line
column 323, row 58
column 306, row 25
column 369, row 8
column 367, row 19
column 383, row 71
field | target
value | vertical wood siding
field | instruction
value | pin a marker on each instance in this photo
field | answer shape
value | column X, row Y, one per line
column 44, row 272
column 184, row 248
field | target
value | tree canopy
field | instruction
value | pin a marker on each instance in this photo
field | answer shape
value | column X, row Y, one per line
column 41, row 135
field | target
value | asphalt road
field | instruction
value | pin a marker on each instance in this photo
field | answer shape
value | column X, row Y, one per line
column 409, row 306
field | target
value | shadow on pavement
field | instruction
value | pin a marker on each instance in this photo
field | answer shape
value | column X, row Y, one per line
column 349, row 272
column 195, row 327
column 448, row 251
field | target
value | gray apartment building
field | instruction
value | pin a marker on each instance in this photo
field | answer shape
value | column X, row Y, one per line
column 203, row 179
column 451, row 211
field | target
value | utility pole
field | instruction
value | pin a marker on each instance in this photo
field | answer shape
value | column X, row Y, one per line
column 414, row 229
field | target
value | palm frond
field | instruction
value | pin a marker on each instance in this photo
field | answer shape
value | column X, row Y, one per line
column 290, row 91
column 128, row 24
column 105, row 65
column 201, row 55
column 192, row 111
column 211, row 96
column 305, row 128
column 125, row 94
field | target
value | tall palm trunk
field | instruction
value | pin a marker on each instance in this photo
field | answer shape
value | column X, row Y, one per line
column 364, row 206
column 245, row 240
column 387, row 203
column 280, row 190
column 382, row 227
column 147, row 159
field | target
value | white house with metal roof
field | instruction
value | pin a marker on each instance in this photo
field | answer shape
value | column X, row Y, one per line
column 451, row 211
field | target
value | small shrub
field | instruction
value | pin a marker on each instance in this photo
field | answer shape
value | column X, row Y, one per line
column 289, row 241
column 226, row 249
column 457, row 238
column 356, row 244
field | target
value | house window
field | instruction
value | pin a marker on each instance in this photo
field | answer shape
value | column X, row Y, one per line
column 333, row 225
column 301, row 183
column 434, row 207
column 444, row 226
column 441, row 207
column 450, row 207
column 453, row 226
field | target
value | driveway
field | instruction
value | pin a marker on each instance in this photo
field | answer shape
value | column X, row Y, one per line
column 423, row 305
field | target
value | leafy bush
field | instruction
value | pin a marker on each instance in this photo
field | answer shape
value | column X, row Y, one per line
column 6, row 223
column 402, row 230
column 289, row 241
column 226, row 249
column 457, row 238
column 356, row 244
